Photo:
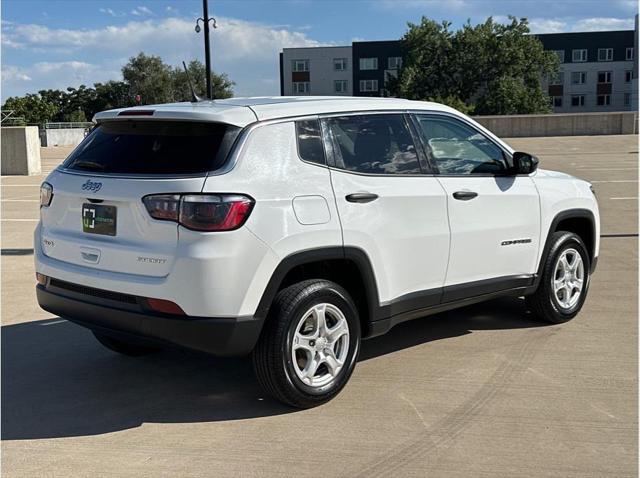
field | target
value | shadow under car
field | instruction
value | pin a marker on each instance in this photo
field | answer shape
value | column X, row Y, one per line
column 58, row 381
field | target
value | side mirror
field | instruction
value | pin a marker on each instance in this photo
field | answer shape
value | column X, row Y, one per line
column 524, row 163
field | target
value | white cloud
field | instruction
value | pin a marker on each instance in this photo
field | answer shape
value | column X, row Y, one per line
column 237, row 38
column 630, row 5
column 438, row 4
column 600, row 24
column 171, row 9
column 76, row 66
column 111, row 12
column 247, row 51
column 53, row 75
column 547, row 25
column 570, row 24
column 13, row 73
column 141, row 11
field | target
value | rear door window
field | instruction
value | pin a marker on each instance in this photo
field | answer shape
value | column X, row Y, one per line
column 374, row 144
column 154, row 147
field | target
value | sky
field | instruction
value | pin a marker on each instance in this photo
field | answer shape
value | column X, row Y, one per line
column 60, row 43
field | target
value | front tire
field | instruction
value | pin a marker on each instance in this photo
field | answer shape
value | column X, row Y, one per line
column 564, row 281
column 309, row 345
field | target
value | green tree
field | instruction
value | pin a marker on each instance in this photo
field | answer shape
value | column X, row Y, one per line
column 144, row 75
column 488, row 68
column 112, row 94
column 77, row 116
column 78, row 103
column 222, row 86
column 157, row 82
column 57, row 98
column 428, row 62
column 149, row 77
column 32, row 107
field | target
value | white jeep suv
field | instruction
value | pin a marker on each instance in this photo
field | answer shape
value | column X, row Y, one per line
column 293, row 228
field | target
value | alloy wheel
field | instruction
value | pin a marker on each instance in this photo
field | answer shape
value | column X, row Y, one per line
column 320, row 345
column 568, row 278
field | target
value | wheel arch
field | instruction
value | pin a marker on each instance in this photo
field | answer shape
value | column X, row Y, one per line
column 579, row 221
column 350, row 267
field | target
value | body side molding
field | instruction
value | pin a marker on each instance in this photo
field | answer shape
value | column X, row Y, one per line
column 382, row 316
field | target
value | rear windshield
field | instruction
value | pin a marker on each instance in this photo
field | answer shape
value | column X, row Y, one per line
column 154, row 147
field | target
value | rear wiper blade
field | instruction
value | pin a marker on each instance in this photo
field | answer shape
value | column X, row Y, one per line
column 89, row 165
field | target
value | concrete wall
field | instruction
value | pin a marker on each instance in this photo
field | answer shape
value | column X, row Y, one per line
column 20, row 151
column 580, row 124
column 62, row 137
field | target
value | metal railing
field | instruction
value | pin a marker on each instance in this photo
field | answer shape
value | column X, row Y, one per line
column 69, row 124
column 8, row 118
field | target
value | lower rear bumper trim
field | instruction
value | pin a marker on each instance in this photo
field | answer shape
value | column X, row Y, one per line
column 223, row 336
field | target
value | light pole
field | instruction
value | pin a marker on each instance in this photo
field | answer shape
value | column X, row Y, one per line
column 207, row 51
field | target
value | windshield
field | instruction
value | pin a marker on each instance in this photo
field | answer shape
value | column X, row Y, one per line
column 154, row 147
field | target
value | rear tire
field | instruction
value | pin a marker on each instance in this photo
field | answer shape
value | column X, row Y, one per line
column 309, row 345
column 123, row 347
column 564, row 281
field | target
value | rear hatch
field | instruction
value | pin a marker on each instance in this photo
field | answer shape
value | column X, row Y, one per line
column 97, row 218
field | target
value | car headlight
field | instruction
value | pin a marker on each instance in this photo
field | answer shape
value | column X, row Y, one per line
column 46, row 194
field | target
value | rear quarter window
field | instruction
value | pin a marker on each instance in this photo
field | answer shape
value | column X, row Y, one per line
column 309, row 137
column 154, row 147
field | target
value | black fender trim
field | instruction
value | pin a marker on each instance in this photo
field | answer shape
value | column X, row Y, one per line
column 561, row 216
column 354, row 254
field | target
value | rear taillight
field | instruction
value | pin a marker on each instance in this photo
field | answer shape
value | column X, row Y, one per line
column 201, row 212
column 163, row 206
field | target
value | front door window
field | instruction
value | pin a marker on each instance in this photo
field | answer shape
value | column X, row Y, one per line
column 458, row 149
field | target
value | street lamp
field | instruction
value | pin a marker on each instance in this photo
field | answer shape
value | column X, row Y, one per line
column 207, row 53
column 211, row 19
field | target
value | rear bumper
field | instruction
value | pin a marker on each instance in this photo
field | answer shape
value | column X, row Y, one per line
column 218, row 336
column 213, row 274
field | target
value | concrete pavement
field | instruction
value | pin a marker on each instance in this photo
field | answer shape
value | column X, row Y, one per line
column 481, row 391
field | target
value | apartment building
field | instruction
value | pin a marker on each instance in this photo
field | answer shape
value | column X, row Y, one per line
column 598, row 70
column 317, row 71
column 374, row 62
column 357, row 70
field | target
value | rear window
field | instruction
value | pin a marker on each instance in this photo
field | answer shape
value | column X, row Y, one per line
column 154, row 147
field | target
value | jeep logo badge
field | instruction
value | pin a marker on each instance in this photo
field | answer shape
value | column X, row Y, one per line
column 91, row 186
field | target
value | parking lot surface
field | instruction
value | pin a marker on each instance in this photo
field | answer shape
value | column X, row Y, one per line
column 480, row 391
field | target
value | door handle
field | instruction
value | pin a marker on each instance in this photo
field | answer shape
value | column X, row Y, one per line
column 464, row 195
column 361, row 197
